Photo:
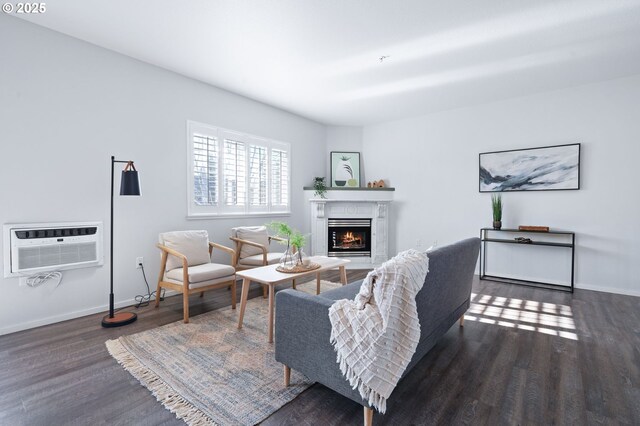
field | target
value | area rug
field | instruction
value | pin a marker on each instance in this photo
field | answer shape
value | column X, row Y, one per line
column 208, row 372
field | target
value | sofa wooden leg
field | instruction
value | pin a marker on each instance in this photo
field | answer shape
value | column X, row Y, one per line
column 287, row 375
column 265, row 289
column 368, row 416
column 462, row 321
column 202, row 294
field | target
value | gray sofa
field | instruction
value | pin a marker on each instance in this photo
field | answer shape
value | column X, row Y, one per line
column 302, row 321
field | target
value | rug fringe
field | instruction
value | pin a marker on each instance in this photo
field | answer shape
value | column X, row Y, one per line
column 167, row 396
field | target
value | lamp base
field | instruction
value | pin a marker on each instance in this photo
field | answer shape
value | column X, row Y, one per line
column 119, row 319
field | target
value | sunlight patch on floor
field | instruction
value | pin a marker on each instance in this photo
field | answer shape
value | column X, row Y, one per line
column 543, row 317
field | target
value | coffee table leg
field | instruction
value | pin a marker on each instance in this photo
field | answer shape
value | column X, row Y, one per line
column 243, row 299
column 343, row 275
column 272, row 291
column 318, row 283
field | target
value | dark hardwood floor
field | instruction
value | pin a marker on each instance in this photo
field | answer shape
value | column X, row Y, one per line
column 525, row 356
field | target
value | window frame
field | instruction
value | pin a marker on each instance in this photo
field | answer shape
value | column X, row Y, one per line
column 220, row 134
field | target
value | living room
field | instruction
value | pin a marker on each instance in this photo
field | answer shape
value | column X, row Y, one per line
column 417, row 96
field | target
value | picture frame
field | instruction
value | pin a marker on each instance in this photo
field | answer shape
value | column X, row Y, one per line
column 546, row 168
column 345, row 169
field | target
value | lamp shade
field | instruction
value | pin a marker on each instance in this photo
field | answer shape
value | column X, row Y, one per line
column 130, row 183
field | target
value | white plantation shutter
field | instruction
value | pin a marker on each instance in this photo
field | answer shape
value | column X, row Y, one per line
column 279, row 177
column 234, row 172
column 205, row 170
column 257, row 175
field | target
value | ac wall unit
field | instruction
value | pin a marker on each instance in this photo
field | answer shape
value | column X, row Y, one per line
column 31, row 248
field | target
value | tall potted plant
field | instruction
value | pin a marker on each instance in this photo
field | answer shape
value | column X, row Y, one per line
column 496, row 206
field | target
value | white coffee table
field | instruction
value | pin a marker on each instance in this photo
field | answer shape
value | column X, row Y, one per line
column 269, row 276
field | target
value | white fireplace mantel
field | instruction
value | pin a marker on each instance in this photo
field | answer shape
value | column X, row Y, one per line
column 365, row 204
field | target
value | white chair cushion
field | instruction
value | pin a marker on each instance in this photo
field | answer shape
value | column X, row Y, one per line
column 255, row 234
column 205, row 272
column 257, row 259
column 193, row 244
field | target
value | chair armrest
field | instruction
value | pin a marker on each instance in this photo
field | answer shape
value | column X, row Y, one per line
column 276, row 238
column 251, row 243
column 172, row 252
column 229, row 250
column 240, row 242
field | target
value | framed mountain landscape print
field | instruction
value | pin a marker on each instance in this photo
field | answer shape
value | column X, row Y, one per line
column 546, row 168
column 345, row 169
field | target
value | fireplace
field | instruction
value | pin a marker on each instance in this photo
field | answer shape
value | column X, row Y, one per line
column 349, row 237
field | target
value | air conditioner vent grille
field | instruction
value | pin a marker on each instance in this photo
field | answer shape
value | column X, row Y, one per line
column 43, row 256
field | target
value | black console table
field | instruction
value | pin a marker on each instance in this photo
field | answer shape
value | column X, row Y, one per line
column 485, row 238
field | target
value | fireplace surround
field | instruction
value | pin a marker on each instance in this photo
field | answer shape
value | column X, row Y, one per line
column 370, row 207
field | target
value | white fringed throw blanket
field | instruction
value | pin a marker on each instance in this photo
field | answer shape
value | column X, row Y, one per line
column 376, row 334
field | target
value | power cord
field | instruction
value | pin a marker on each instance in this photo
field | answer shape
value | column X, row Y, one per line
column 144, row 299
column 38, row 279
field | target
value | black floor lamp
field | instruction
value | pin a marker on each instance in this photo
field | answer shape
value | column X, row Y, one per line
column 129, row 185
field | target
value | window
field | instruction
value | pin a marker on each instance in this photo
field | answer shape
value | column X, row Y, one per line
column 232, row 173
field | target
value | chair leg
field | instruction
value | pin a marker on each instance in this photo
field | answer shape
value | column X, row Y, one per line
column 158, row 289
column 294, row 284
column 368, row 416
column 287, row 375
column 462, row 321
column 185, row 306
column 233, row 294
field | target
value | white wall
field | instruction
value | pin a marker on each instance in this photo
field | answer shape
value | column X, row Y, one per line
column 66, row 106
column 432, row 161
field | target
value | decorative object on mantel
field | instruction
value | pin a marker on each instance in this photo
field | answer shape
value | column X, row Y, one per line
column 320, row 186
column 376, row 184
column 533, row 228
column 294, row 258
column 345, row 169
column 546, row 168
column 496, row 206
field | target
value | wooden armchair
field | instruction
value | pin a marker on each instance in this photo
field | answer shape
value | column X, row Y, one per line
column 186, row 258
column 252, row 249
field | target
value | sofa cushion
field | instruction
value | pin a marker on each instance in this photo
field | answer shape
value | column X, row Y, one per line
column 255, row 234
column 205, row 272
column 256, row 260
column 193, row 244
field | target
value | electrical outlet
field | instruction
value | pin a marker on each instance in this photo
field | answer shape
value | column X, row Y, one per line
column 139, row 262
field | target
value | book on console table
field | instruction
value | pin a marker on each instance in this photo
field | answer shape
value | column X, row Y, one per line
column 533, row 228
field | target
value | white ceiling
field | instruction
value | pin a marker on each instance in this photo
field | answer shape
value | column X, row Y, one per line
column 319, row 58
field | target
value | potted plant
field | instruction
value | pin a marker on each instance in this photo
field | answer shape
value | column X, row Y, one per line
column 320, row 186
column 293, row 255
column 298, row 241
column 496, row 206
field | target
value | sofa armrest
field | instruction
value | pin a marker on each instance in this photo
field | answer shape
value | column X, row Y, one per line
column 302, row 340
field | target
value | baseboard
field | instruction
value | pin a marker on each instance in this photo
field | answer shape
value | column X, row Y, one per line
column 614, row 290
column 71, row 315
